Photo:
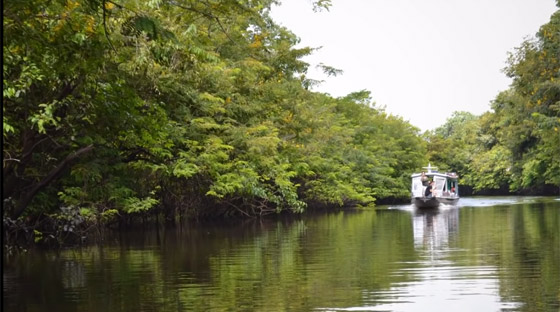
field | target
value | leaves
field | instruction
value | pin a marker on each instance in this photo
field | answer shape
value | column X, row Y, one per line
column 136, row 205
column 204, row 108
column 517, row 146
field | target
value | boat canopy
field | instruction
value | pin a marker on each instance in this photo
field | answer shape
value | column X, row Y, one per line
column 446, row 183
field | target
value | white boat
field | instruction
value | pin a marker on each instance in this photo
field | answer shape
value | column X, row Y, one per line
column 445, row 190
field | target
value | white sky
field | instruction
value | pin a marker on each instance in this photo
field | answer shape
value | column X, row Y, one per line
column 421, row 59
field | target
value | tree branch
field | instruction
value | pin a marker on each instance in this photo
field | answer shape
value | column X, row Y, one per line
column 207, row 15
column 105, row 26
column 26, row 198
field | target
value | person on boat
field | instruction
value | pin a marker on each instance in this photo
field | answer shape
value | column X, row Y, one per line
column 424, row 179
column 429, row 193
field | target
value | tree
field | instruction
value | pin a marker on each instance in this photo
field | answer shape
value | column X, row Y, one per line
column 530, row 112
column 183, row 108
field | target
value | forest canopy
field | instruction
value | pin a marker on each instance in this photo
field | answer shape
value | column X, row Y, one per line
column 113, row 109
column 516, row 146
column 186, row 107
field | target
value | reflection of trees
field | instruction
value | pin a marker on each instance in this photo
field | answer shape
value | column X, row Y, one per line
column 73, row 274
column 322, row 261
column 524, row 242
column 325, row 260
column 332, row 260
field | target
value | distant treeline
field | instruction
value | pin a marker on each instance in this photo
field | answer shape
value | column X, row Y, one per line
column 120, row 109
column 515, row 148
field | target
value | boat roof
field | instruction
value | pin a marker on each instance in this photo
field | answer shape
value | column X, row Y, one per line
column 449, row 175
column 432, row 171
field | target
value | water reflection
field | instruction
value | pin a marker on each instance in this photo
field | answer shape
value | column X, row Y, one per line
column 484, row 255
column 433, row 228
column 439, row 280
column 73, row 274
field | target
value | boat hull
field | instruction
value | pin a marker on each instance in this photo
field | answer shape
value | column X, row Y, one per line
column 433, row 202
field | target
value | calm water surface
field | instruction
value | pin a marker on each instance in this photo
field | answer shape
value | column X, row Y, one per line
column 487, row 254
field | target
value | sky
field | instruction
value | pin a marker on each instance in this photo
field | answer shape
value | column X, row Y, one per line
column 421, row 59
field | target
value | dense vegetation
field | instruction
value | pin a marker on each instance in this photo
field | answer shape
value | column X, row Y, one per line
column 516, row 147
column 117, row 109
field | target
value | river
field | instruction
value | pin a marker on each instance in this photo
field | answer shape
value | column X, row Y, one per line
column 486, row 254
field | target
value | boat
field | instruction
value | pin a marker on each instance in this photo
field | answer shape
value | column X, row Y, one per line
column 445, row 188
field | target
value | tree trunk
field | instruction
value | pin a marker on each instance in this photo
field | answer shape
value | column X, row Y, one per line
column 25, row 198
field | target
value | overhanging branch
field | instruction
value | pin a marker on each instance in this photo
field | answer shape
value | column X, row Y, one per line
column 26, row 198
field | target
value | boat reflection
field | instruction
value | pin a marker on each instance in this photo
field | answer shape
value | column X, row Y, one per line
column 435, row 228
column 441, row 277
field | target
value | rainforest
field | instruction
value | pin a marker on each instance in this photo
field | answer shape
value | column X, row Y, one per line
column 119, row 111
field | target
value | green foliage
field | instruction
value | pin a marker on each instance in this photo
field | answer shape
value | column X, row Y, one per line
column 68, row 219
column 517, row 146
column 190, row 107
column 109, row 215
column 38, row 236
column 135, row 205
column 490, row 169
column 455, row 146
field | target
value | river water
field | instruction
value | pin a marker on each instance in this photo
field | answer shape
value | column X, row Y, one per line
column 486, row 254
